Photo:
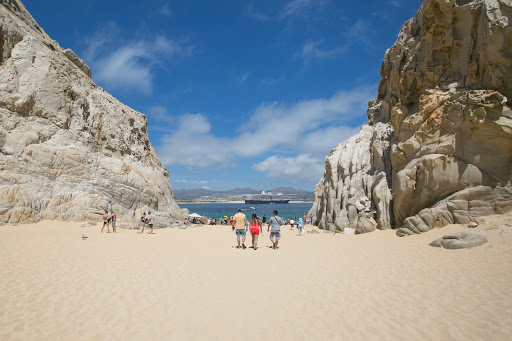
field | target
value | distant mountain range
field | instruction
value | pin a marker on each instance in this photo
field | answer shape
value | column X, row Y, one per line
column 203, row 194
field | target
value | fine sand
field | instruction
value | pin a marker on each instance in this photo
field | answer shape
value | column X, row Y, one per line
column 193, row 284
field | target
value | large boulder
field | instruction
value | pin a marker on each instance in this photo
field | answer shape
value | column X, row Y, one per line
column 460, row 240
column 68, row 149
column 438, row 145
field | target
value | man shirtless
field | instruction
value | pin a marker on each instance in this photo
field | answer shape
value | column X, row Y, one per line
column 113, row 219
column 105, row 222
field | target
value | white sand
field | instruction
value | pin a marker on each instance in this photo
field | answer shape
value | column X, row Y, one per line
column 193, row 284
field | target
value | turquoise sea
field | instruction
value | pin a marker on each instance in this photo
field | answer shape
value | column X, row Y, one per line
column 217, row 210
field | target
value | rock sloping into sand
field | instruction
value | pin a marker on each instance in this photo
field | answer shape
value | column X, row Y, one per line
column 68, row 149
column 437, row 148
column 460, row 240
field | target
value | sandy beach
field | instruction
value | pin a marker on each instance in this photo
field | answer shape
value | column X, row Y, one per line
column 194, row 284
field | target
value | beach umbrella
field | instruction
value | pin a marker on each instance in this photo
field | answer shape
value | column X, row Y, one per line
column 194, row 215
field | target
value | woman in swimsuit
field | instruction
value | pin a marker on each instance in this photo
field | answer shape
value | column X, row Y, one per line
column 255, row 230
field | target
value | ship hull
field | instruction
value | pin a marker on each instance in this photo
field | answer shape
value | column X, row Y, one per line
column 267, row 201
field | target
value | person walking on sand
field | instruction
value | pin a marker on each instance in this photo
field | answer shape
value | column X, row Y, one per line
column 142, row 223
column 241, row 225
column 113, row 218
column 292, row 223
column 150, row 223
column 274, row 226
column 255, row 230
column 300, row 224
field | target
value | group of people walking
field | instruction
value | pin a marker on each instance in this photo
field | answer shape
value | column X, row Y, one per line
column 241, row 225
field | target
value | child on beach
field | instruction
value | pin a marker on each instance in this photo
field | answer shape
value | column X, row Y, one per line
column 255, row 230
column 299, row 225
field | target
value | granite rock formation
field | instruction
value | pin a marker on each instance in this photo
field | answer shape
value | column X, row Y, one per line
column 437, row 148
column 68, row 149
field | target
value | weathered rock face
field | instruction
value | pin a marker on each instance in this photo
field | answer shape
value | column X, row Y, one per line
column 444, row 105
column 68, row 149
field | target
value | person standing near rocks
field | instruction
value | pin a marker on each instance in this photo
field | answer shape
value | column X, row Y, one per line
column 239, row 221
column 142, row 223
column 274, row 226
column 113, row 218
column 150, row 223
column 105, row 222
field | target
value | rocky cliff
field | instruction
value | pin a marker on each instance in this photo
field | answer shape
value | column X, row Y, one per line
column 437, row 148
column 68, row 149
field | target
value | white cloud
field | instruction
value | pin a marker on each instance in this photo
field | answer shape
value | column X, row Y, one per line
column 307, row 127
column 166, row 9
column 243, row 78
column 129, row 66
column 295, row 7
column 193, row 144
column 159, row 113
column 251, row 12
column 320, row 142
column 291, row 10
column 360, row 32
column 302, row 168
column 312, row 50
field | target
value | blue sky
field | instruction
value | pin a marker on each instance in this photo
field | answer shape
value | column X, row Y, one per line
column 238, row 93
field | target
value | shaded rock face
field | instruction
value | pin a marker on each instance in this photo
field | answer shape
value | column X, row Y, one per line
column 68, row 149
column 440, row 147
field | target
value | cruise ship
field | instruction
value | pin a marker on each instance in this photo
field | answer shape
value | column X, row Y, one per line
column 267, row 198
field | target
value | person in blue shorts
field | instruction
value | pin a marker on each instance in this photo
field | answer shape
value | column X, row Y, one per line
column 274, row 226
column 240, row 223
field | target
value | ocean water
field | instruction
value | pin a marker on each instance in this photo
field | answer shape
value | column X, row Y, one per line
column 217, row 210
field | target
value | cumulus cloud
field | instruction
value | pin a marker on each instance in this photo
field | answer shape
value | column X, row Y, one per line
column 302, row 168
column 311, row 127
column 193, row 144
column 130, row 65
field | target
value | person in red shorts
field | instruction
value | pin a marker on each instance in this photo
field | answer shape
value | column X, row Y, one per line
column 255, row 230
